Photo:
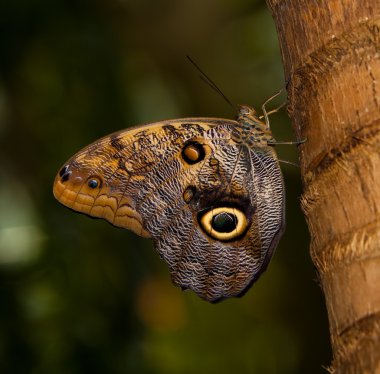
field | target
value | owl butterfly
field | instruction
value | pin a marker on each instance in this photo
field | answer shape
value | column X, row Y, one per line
column 208, row 191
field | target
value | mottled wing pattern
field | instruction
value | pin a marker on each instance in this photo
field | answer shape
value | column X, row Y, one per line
column 268, row 185
column 213, row 207
column 132, row 167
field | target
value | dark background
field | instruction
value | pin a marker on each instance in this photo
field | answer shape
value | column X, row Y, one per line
column 80, row 296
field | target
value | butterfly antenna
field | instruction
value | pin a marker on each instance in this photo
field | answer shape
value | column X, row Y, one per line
column 266, row 114
column 289, row 163
column 275, row 110
column 211, row 83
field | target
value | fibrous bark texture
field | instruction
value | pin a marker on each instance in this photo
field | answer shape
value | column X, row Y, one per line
column 331, row 56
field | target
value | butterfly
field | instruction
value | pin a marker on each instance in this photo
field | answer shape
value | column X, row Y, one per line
column 208, row 191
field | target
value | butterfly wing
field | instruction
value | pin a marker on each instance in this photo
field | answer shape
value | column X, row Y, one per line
column 213, row 208
column 114, row 177
column 249, row 186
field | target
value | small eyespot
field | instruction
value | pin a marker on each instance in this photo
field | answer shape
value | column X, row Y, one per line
column 65, row 176
column 94, row 182
column 193, row 152
column 63, row 170
column 224, row 223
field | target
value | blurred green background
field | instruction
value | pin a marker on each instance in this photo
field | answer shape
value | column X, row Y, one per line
column 80, row 296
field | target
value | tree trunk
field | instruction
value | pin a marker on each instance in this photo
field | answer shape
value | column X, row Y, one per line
column 331, row 56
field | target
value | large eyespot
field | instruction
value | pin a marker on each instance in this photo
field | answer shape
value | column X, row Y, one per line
column 193, row 152
column 94, row 182
column 224, row 223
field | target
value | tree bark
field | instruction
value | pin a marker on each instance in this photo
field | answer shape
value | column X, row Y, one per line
column 331, row 56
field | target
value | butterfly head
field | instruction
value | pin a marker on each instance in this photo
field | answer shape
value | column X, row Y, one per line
column 248, row 116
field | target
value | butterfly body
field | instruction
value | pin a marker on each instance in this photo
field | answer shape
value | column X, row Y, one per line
column 208, row 191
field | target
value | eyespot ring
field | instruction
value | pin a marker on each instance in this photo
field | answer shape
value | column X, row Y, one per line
column 224, row 223
column 193, row 152
column 94, row 182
